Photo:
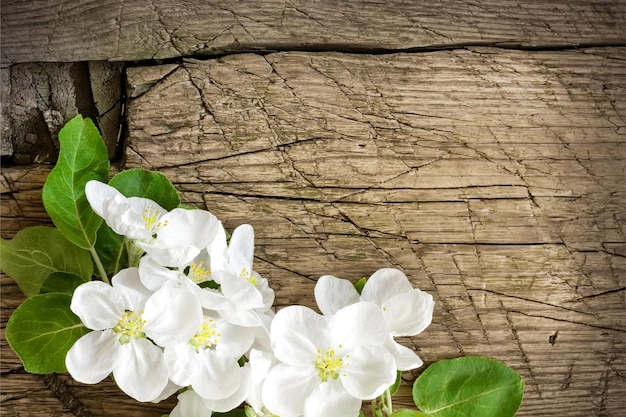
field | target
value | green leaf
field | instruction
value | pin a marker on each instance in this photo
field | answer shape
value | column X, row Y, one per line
column 147, row 184
column 233, row 413
column 408, row 413
column 42, row 330
column 83, row 156
column 38, row 251
column 63, row 282
column 360, row 284
column 394, row 388
column 111, row 249
column 469, row 386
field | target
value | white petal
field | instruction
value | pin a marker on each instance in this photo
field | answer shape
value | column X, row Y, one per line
column 172, row 316
column 182, row 361
column 169, row 390
column 241, row 248
column 98, row 305
column 297, row 332
column 153, row 275
column 332, row 294
column 286, row 388
column 218, row 251
column 120, row 216
column 260, row 364
column 128, row 282
column 357, row 324
column 167, row 255
column 141, row 372
column 219, row 376
column 190, row 404
column 188, row 227
column 93, row 356
column 330, row 399
column 369, row 372
column 242, row 293
column 384, row 284
column 405, row 358
column 97, row 193
column 234, row 340
column 409, row 313
column 229, row 403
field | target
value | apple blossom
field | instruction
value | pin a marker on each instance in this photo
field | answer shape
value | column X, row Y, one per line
column 407, row 310
column 127, row 320
column 327, row 365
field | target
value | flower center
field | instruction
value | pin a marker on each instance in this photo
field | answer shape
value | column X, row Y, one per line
column 130, row 326
column 198, row 273
column 245, row 274
column 206, row 337
column 328, row 364
column 150, row 217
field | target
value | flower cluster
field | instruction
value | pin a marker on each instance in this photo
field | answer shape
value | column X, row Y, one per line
column 192, row 316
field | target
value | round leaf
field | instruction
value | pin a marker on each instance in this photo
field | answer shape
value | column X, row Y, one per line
column 38, row 251
column 147, row 184
column 469, row 386
column 42, row 330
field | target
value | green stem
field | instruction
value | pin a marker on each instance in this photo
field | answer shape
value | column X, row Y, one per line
column 387, row 405
column 99, row 265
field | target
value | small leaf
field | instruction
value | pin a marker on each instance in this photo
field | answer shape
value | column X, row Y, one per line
column 147, row 184
column 233, row 413
column 394, row 388
column 83, row 156
column 469, row 386
column 42, row 330
column 63, row 282
column 38, row 251
column 358, row 286
column 111, row 250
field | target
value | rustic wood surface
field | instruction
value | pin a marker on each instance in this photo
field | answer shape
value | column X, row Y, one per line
column 485, row 158
column 494, row 179
column 85, row 30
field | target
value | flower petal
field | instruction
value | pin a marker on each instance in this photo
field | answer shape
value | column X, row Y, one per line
column 93, row 356
column 409, row 313
column 183, row 227
column 357, row 324
column 228, row 403
column 234, row 340
column 168, row 255
column 97, row 193
column 219, row 376
column 141, row 372
column 384, row 284
column 286, row 388
column 123, row 219
column 405, row 358
column 129, row 284
column 98, row 305
column 153, row 275
column 172, row 316
column 297, row 332
column 190, row 404
column 331, row 399
column 369, row 372
column 182, row 361
column 241, row 249
column 332, row 294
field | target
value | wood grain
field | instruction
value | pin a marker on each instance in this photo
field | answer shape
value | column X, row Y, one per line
column 494, row 179
column 86, row 30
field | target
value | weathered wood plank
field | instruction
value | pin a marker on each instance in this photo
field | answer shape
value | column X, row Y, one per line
column 494, row 180
column 83, row 30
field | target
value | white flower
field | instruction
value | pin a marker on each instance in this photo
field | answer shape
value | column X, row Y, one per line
column 134, row 217
column 328, row 365
column 407, row 310
column 126, row 319
column 207, row 361
column 231, row 268
column 173, row 238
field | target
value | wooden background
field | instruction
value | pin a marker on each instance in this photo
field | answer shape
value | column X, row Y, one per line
column 476, row 145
